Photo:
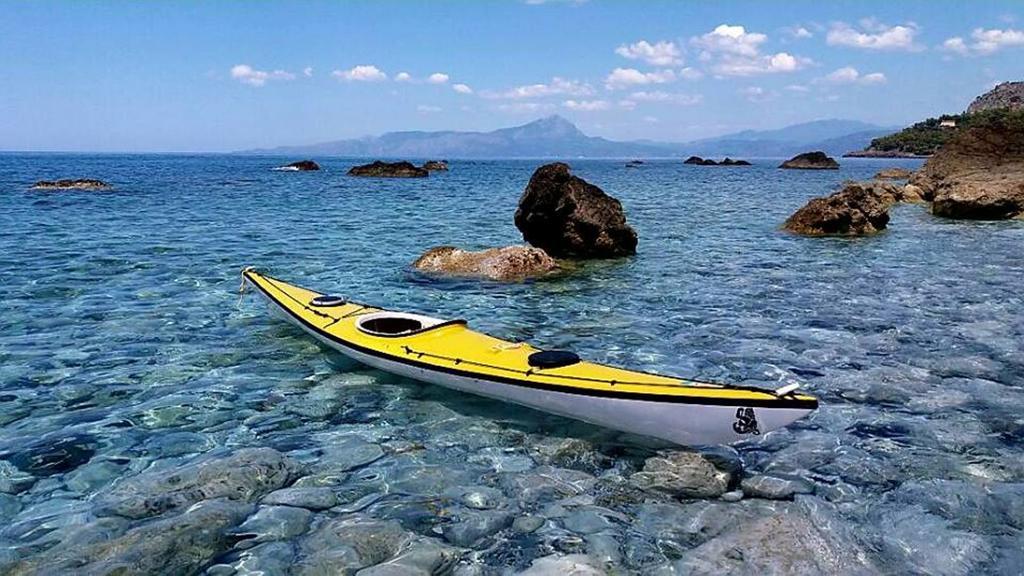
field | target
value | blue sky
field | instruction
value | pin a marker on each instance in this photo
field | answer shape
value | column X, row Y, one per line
column 218, row 76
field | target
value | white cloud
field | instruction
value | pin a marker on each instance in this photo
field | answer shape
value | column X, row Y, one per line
column 650, row 119
column 625, row 77
column 662, row 53
column 248, row 75
column 873, row 36
column 403, row 77
column 557, row 87
column 427, row 109
column 462, row 88
column 985, row 41
column 732, row 51
column 672, row 98
column 800, row 32
column 586, row 105
column 850, row 75
column 690, row 74
column 519, row 107
column 730, row 40
column 363, row 73
column 437, row 78
column 757, row 94
column 627, row 104
column 307, row 71
column 797, row 88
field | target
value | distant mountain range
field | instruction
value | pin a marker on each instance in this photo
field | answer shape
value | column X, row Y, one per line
column 556, row 137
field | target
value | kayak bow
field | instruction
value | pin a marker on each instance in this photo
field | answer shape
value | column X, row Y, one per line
column 450, row 354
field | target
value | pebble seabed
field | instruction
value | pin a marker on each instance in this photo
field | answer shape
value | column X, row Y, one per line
column 152, row 423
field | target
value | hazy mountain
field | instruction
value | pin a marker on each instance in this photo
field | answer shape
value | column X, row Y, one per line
column 555, row 136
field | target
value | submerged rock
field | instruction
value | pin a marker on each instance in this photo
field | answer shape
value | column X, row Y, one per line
column 683, row 475
column 300, row 166
column 245, row 475
column 775, row 487
column 348, row 544
column 564, row 565
column 509, row 263
column 272, row 523
column 54, row 456
column 566, row 216
column 71, row 184
column 811, row 161
column 180, row 544
column 436, row 165
column 894, row 174
column 380, row 169
column 855, row 210
column 310, row 497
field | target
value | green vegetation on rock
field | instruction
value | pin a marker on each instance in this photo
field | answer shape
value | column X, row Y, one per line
column 923, row 138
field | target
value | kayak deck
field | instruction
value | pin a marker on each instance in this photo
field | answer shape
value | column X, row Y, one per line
column 451, row 347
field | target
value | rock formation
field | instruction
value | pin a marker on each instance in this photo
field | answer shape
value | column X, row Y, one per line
column 979, row 174
column 894, row 174
column 730, row 162
column 1006, row 96
column 380, row 169
column 300, row 166
column 698, row 161
column 856, row 210
column 510, row 263
column 71, row 184
column 566, row 216
column 811, row 161
column 436, row 165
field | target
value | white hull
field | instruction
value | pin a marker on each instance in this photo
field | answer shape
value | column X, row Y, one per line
column 680, row 423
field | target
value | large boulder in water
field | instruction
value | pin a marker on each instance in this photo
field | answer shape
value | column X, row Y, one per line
column 811, row 161
column 509, row 263
column 856, row 210
column 380, row 169
column 979, row 174
column 301, row 166
column 436, row 165
column 567, row 216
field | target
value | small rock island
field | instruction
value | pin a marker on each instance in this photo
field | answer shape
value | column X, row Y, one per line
column 817, row 160
column 436, row 165
column 381, row 169
column 698, row 161
column 300, row 166
column 71, row 184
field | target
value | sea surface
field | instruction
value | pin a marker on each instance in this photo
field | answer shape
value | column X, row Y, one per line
column 125, row 347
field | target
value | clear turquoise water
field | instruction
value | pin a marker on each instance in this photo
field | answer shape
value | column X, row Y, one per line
column 121, row 327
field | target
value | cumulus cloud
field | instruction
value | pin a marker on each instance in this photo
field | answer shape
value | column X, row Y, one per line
column 248, row 75
column 800, row 32
column 437, row 78
column 557, row 87
column 362, row 73
column 661, row 53
column 985, row 41
column 732, row 51
column 850, row 75
column 668, row 97
column 690, row 74
column 626, row 77
column 427, row 109
column 307, row 71
column 873, row 35
column 403, row 77
column 586, row 105
column 462, row 88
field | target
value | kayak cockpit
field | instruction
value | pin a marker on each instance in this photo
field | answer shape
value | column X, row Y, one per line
column 389, row 324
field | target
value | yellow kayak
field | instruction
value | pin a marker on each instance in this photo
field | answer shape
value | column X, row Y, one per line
column 449, row 353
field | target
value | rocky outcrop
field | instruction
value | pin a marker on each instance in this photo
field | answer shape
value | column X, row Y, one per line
column 380, row 169
column 245, row 475
column 300, row 166
column 71, row 184
column 436, row 165
column 683, row 475
column 510, row 263
column 811, row 161
column 856, row 210
column 567, row 216
column 1006, row 96
column 730, row 162
column 979, row 174
column 894, row 174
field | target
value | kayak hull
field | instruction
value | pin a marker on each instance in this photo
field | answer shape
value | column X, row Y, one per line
column 689, row 422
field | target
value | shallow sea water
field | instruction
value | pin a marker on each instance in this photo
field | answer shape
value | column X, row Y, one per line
column 124, row 346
